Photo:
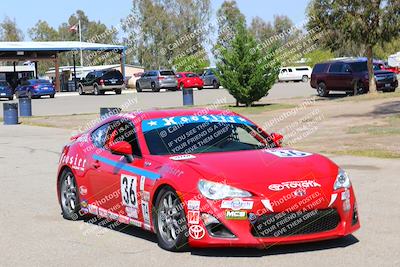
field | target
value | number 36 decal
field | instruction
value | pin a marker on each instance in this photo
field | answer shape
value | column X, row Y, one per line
column 283, row 153
column 129, row 191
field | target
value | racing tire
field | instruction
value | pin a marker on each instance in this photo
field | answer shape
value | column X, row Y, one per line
column 80, row 90
column 118, row 91
column 321, row 90
column 170, row 221
column 69, row 197
column 138, row 88
column 304, row 79
column 215, row 84
column 154, row 87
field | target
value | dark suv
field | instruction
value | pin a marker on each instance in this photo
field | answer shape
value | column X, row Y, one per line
column 351, row 76
column 98, row 82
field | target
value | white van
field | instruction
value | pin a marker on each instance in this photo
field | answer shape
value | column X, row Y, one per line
column 300, row 73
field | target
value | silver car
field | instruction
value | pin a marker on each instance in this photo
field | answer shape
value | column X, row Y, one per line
column 157, row 80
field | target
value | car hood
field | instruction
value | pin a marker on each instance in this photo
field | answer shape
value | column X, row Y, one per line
column 267, row 175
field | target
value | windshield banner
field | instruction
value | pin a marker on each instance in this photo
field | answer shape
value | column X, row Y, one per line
column 149, row 125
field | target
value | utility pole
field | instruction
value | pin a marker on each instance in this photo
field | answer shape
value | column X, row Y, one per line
column 80, row 40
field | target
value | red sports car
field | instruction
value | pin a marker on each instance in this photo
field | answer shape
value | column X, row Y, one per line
column 204, row 178
column 189, row 80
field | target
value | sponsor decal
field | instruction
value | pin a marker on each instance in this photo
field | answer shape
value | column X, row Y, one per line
column 301, row 192
column 113, row 216
column 284, row 153
column 129, row 191
column 235, row 215
column 252, row 217
column 146, row 212
column 123, row 219
column 103, row 212
column 193, row 216
column 84, row 210
column 145, row 196
column 196, row 231
column 135, row 223
column 193, row 205
column 76, row 162
column 237, row 204
column 93, row 209
column 84, row 203
column 346, row 194
column 132, row 212
column 148, row 125
column 82, row 190
column 293, row 185
column 142, row 182
column 182, row 157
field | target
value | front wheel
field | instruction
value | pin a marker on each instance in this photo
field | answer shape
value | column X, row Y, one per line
column 215, row 85
column 181, row 87
column 200, row 88
column 69, row 198
column 118, row 91
column 138, row 88
column 51, row 96
column 80, row 90
column 154, row 88
column 321, row 90
column 96, row 90
column 170, row 221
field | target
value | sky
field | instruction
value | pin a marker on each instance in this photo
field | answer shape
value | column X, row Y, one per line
column 28, row 12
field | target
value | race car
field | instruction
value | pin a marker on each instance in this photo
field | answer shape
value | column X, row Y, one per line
column 204, row 178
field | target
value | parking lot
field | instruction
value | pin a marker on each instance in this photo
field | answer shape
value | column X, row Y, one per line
column 71, row 103
column 33, row 232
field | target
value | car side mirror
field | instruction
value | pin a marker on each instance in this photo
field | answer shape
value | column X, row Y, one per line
column 277, row 138
column 122, row 148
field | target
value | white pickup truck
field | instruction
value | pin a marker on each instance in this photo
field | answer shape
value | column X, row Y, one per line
column 300, row 73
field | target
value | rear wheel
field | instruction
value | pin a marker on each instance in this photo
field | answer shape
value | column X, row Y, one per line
column 321, row 90
column 80, row 90
column 138, row 88
column 215, row 84
column 69, row 198
column 154, row 87
column 118, row 91
column 200, row 88
column 170, row 221
column 359, row 89
column 51, row 96
column 305, row 79
column 96, row 90
column 181, row 87
column 29, row 94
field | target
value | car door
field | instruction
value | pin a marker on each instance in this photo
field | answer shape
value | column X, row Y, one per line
column 88, row 82
column 334, row 76
column 347, row 77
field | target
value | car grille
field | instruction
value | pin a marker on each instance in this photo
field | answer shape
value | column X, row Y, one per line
column 389, row 78
column 300, row 223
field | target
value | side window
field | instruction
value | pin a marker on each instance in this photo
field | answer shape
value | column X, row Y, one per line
column 99, row 135
column 346, row 68
column 290, row 70
column 123, row 130
column 284, row 70
column 336, row 67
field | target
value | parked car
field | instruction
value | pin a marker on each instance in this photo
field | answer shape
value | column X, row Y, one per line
column 6, row 90
column 189, row 80
column 35, row 88
column 99, row 82
column 301, row 73
column 157, row 80
column 350, row 75
column 210, row 79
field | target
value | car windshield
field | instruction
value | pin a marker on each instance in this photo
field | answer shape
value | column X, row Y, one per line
column 191, row 75
column 202, row 134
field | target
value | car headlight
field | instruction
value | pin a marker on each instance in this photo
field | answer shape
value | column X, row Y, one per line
column 342, row 180
column 217, row 191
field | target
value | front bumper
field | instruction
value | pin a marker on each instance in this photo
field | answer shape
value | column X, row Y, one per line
column 246, row 233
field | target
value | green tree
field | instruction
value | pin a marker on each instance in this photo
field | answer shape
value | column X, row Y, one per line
column 261, row 30
column 243, row 70
column 159, row 32
column 9, row 31
column 364, row 23
column 383, row 51
column 317, row 56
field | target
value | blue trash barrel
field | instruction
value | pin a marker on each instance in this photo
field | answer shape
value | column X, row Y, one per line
column 10, row 113
column 108, row 112
column 25, row 107
column 187, row 97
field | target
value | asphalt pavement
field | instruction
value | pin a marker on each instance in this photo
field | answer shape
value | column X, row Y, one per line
column 33, row 232
column 72, row 103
